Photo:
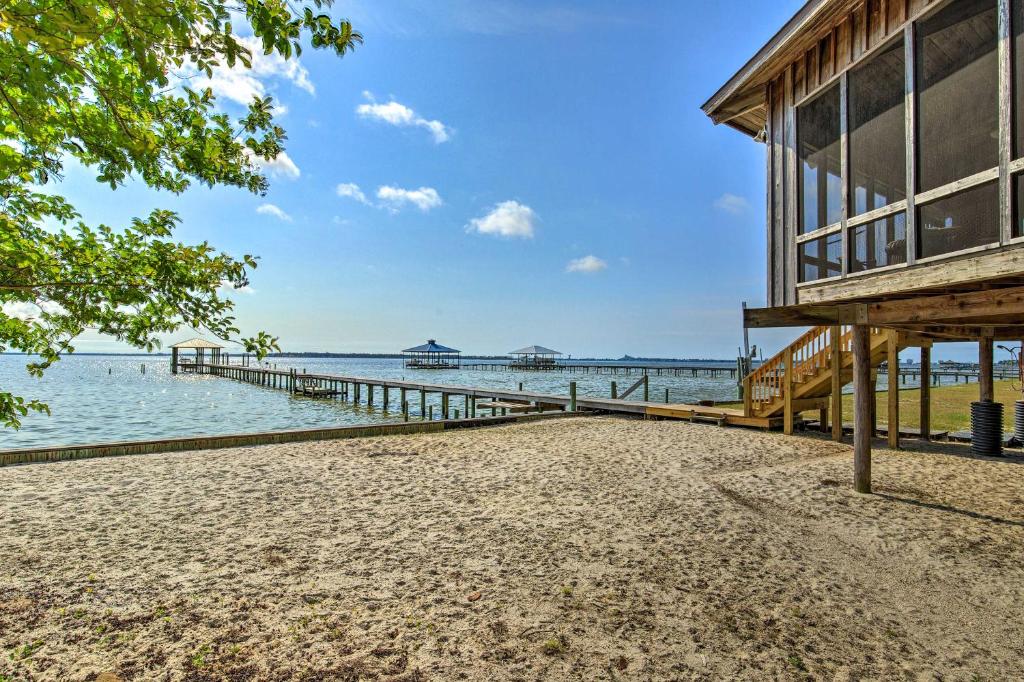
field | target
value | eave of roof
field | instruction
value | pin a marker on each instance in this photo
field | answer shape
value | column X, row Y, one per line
column 743, row 78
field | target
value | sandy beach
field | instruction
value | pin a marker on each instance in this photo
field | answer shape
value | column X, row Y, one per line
column 591, row 548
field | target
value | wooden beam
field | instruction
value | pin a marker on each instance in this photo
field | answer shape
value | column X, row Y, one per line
column 1002, row 302
column 926, row 393
column 985, row 386
column 893, row 390
column 837, row 383
column 958, row 270
column 863, row 398
column 804, row 315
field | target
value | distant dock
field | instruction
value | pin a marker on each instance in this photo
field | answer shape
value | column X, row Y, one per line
column 693, row 370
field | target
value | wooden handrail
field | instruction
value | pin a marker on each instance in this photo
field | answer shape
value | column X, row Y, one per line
column 810, row 353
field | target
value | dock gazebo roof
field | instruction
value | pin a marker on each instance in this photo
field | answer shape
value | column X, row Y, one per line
column 196, row 343
column 535, row 350
column 534, row 357
column 199, row 347
column 431, row 346
column 432, row 355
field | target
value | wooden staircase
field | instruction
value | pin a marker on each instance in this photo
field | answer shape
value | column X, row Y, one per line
column 800, row 377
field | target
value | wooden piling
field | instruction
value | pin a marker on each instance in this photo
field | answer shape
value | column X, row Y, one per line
column 985, row 385
column 837, row 383
column 893, row 360
column 863, row 398
column 572, row 396
column 926, row 393
column 615, row 391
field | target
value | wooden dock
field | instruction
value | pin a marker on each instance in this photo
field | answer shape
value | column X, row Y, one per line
column 667, row 370
column 410, row 397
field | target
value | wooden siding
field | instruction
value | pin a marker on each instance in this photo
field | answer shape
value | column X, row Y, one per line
column 850, row 37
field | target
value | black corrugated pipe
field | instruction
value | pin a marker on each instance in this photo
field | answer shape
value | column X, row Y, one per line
column 987, row 428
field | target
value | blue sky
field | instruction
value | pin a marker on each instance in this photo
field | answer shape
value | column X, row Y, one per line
column 495, row 174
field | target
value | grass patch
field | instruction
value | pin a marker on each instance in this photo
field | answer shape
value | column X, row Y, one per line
column 951, row 406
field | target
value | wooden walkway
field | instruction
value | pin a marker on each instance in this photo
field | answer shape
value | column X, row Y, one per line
column 366, row 390
column 572, row 368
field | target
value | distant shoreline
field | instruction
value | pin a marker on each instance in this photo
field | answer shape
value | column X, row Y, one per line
column 399, row 356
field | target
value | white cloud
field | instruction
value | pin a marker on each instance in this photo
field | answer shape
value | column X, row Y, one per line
column 282, row 166
column 507, row 219
column 352, row 191
column 28, row 311
column 228, row 288
column 587, row 264
column 730, row 203
column 394, row 198
column 271, row 209
column 240, row 84
column 397, row 114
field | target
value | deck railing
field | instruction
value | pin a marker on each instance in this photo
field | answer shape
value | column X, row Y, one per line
column 806, row 357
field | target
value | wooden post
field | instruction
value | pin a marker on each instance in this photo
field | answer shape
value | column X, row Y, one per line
column 405, row 410
column 615, row 391
column 893, row 361
column 986, row 391
column 466, row 406
column 174, row 361
column 647, row 395
column 874, row 402
column 385, row 398
column 572, row 396
column 423, row 403
column 837, row 383
column 863, row 399
column 444, row 405
column 787, row 387
column 430, row 412
column 369, row 395
column 926, row 393
column 666, row 396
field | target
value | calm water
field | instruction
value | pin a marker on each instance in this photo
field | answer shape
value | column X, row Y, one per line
column 98, row 398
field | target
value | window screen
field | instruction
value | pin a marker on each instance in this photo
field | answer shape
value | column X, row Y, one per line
column 818, row 145
column 961, row 221
column 957, row 92
column 877, row 139
column 820, row 258
column 877, row 244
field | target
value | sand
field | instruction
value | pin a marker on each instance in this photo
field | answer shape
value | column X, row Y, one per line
column 592, row 548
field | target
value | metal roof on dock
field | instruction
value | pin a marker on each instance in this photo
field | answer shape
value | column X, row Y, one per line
column 534, row 350
column 196, row 343
column 431, row 346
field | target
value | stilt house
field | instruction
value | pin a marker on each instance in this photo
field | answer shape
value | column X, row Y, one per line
column 894, row 132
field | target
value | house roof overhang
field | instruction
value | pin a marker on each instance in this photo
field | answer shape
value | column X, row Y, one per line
column 741, row 102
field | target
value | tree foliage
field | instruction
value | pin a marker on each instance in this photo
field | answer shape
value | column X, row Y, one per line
column 106, row 83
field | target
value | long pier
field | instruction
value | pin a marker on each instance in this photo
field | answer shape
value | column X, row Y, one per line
column 579, row 368
column 467, row 401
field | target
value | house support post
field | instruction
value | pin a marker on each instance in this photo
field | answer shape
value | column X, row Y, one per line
column 986, row 390
column 893, row 362
column 926, row 392
column 837, row 383
column 863, row 398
